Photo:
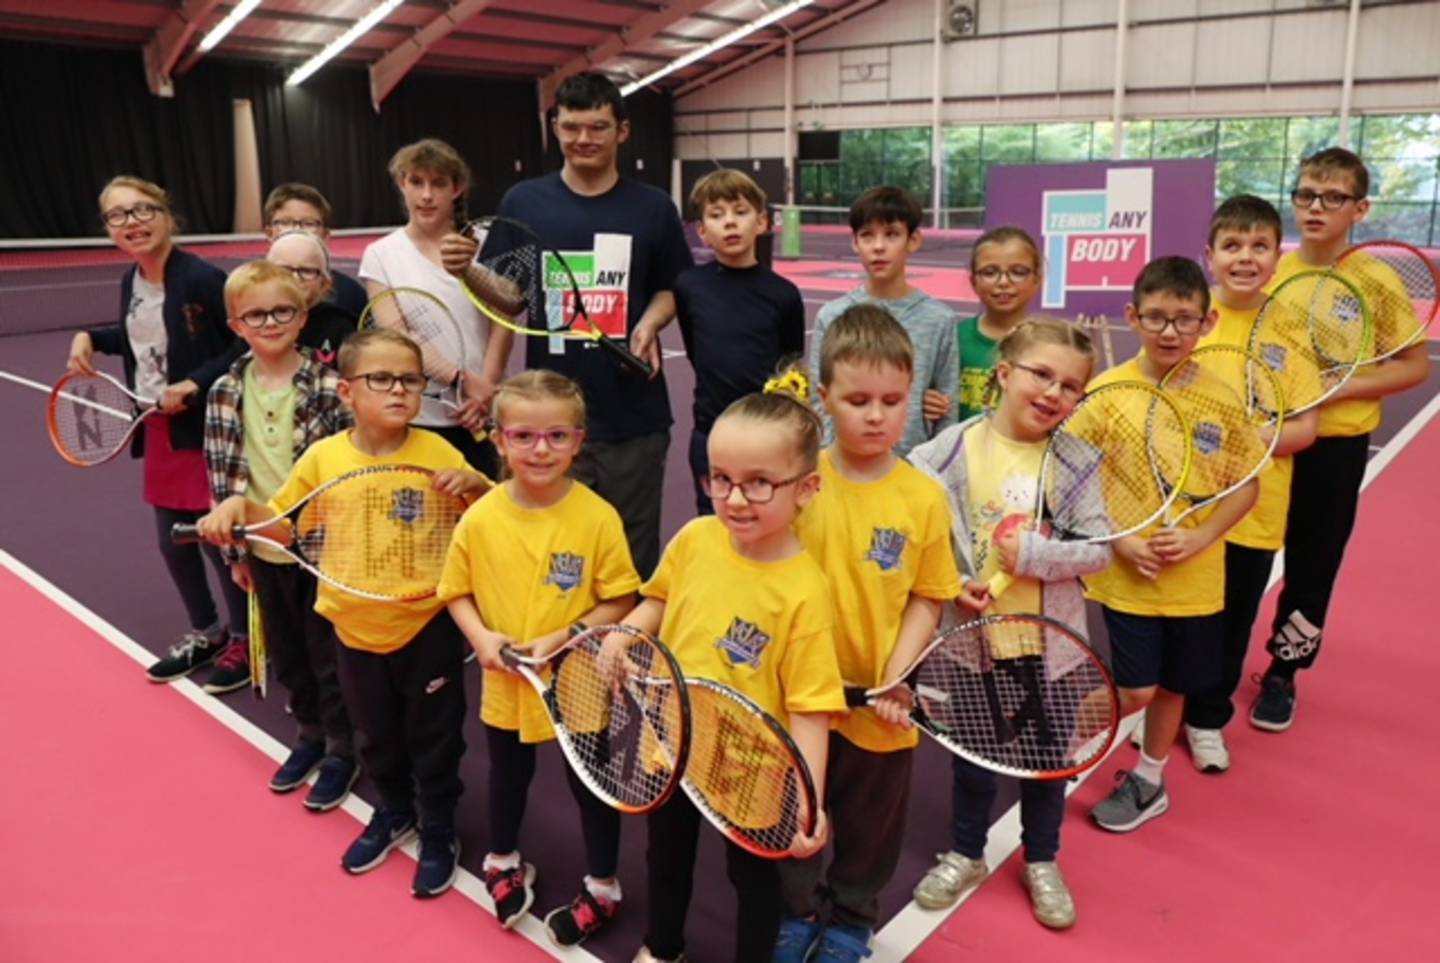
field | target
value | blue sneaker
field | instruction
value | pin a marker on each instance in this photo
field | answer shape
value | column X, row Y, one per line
column 297, row 767
column 796, row 940
column 386, row 831
column 337, row 777
column 842, row 944
column 439, row 861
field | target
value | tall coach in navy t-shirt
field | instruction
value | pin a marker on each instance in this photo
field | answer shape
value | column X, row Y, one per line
column 625, row 242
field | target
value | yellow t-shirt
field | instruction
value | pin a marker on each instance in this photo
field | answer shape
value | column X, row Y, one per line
column 1002, row 476
column 364, row 624
column 761, row 628
column 1194, row 587
column 878, row 543
column 532, row 572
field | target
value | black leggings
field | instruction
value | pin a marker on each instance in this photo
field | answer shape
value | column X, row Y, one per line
column 187, row 571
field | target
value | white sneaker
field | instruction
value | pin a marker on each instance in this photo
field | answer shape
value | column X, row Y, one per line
column 1050, row 898
column 1208, row 749
column 645, row 956
column 949, row 879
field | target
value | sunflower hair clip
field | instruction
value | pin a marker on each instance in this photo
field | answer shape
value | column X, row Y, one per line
column 793, row 382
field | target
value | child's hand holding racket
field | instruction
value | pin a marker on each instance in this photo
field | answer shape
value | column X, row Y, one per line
column 220, row 524
column 645, row 345
column 175, row 397
column 1140, row 554
column 806, row 846
column 975, row 596
column 1175, row 545
column 82, row 353
column 895, row 706
column 488, row 646
column 457, row 252
column 462, row 483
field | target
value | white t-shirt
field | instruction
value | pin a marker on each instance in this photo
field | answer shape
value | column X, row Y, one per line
column 395, row 262
column 145, row 327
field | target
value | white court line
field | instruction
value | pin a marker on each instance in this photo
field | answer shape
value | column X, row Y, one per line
column 912, row 926
column 465, row 882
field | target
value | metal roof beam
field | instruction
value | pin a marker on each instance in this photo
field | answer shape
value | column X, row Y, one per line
column 165, row 48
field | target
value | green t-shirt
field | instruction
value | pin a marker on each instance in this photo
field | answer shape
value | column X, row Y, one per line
column 977, row 362
column 269, row 420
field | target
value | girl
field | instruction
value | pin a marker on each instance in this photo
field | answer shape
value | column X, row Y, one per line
column 742, row 574
column 1005, row 272
column 989, row 465
column 432, row 179
column 327, row 323
column 174, row 343
column 538, row 558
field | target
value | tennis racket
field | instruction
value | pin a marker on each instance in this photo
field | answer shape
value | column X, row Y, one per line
column 745, row 773
column 1312, row 332
column 627, row 741
column 530, row 289
column 259, row 651
column 1399, row 283
column 92, row 417
column 1021, row 695
column 380, row 533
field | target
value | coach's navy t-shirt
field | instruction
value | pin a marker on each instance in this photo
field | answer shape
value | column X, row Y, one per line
column 737, row 324
column 623, row 246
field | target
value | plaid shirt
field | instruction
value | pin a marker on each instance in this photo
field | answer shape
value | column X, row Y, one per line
column 318, row 414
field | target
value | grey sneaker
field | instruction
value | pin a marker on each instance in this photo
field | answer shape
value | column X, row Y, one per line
column 1050, row 898
column 1207, row 749
column 949, row 879
column 1133, row 803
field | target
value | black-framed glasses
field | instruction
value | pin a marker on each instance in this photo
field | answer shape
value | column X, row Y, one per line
column 1015, row 274
column 304, row 273
column 1045, row 380
column 387, row 380
column 143, row 213
column 1156, row 323
column 560, row 439
column 283, row 314
column 1303, row 197
column 308, row 224
column 757, row 491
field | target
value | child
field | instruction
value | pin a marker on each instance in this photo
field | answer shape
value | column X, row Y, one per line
column 881, row 532
column 539, row 558
column 275, row 402
column 1330, row 199
column 1163, row 598
column 744, row 571
column 300, row 207
column 398, row 662
column 990, row 466
column 1005, row 272
column 327, row 323
column 1243, row 249
column 886, row 226
column 738, row 319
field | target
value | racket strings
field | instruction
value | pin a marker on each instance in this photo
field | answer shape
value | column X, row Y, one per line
column 90, row 417
column 1221, row 394
column 1398, row 283
column 512, row 280
column 427, row 322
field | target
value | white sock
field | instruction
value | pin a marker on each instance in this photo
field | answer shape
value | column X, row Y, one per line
column 1150, row 770
column 496, row 861
column 610, row 890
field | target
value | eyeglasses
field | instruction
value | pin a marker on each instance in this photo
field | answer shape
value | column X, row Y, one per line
column 387, row 380
column 1330, row 200
column 1156, row 323
column 1044, row 380
column 311, row 224
column 1016, row 274
column 559, row 439
column 142, row 212
column 757, row 491
column 304, row 273
column 570, row 130
column 283, row 314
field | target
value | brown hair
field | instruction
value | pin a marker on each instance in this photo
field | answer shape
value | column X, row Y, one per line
column 726, row 184
column 868, row 334
column 886, row 205
column 1174, row 275
column 785, row 402
column 150, row 189
column 1034, row 331
column 1245, row 212
column 433, row 154
column 539, row 384
column 251, row 273
column 294, row 191
column 1000, row 235
column 1335, row 161
column 354, row 346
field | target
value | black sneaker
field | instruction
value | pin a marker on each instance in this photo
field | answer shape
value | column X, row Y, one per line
column 337, row 777
column 386, row 831
column 1274, row 708
column 297, row 767
column 510, row 891
column 570, row 925
column 194, row 651
column 232, row 669
column 439, row 861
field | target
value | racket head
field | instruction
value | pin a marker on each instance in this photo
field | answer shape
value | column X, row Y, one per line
column 1312, row 332
column 425, row 319
column 1398, row 282
column 745, row 773
column 91, row 417
column 1018, row 694
column 1115, row 464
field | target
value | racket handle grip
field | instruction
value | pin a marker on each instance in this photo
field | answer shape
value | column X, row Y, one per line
column 855, row 697
column 1000, row 583
column 626, row 357
column 183, row 534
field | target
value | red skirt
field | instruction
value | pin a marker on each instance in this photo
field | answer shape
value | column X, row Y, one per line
column 174, row 478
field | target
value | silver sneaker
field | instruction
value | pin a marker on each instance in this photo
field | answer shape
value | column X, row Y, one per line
column 951, row 878
column 1049, row 896
column 1207, row 749
column 1133, row 803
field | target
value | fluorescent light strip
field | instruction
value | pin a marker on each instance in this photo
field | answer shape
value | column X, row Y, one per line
column 780, row 13
column 361, row 27
column 222, row 29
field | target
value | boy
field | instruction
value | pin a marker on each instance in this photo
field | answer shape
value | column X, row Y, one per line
column 398, row 662
column 738, row 319
column 1163, row 597
column 1242, row 251
column 1330, row 199
column 881, row 532
column 885, row 222
column 275, row 402
column 300, row 207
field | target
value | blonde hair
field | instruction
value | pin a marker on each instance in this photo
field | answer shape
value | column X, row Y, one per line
column 1034, row 331
column 539, row 384
column 726, row 184
column 433, row 154
column 251, row 273
column 354, row 346
column 150, row 189
column 865, row 334
column 785, row 402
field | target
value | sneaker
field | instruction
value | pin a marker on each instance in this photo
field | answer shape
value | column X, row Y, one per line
column 842, row 944
column 337, row 777
column 643, row 955
column 386, row 831
column 1050, row 898
column 297, row 767
column 1274, row 708
column 195, row 650
column 1133, row 803
column 510, row 892
column 948, row 880
column 438, row 863
column 1207, row 749
column 569, row 925
column 796, row 940
column 232, row 669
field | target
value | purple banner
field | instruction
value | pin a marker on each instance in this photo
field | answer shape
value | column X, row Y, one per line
column 1098, row 224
